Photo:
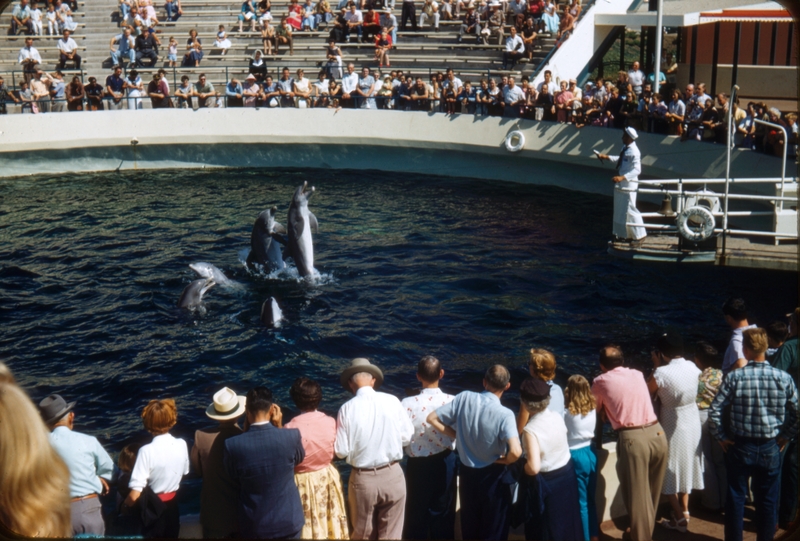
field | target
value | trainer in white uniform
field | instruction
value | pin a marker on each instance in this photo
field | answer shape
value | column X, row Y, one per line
column 629, row 165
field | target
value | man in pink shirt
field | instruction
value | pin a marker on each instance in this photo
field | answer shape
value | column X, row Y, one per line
column 623, row 399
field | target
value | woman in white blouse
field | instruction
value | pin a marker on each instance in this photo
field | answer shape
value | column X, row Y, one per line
column 158, row 471
column 551, row 489
column 581, row 418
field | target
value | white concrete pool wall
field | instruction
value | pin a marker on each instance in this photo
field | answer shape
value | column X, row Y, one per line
column 460, row 145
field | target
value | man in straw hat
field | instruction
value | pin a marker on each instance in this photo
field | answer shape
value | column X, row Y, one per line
column 487, row 441
column 629, row 165
column 90, row 467
column 218, row 497
column 372, row 430
column 261, row 463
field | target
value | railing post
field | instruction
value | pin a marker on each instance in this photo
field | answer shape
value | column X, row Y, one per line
column 732, row 100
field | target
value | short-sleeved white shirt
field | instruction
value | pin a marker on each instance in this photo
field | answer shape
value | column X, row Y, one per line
column 160, row 465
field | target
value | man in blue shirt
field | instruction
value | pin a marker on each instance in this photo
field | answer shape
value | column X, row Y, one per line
column 90, row 467
column 763, row 418
column 114, row 87
column 487, row 440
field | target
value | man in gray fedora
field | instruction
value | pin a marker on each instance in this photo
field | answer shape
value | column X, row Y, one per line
column 90, row 467
column 218, row 509
column 372, row 429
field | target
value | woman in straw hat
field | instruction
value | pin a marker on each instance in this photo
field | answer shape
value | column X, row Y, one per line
column 317, row 479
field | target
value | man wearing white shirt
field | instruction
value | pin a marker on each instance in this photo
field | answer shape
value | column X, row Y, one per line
column 67, row 49
column 636, row 79
column 431, row 466
column 430, row 10
column 735, row 312
column 514, row 50
column 90, row 467
column 552, row 87
column 452, row 80
column 349, row 85
column 372, row 429
column 355, row 22
column 29, row 57
column 513, row 98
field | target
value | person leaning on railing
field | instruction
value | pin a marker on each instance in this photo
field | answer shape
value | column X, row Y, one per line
column 5, row 97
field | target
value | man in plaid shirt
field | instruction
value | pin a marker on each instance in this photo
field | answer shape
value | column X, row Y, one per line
column 763, row 418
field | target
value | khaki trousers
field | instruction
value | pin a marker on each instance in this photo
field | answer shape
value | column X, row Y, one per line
column 641, row 463
column 377, row 500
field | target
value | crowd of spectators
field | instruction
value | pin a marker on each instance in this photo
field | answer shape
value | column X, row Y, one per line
column 267, row 479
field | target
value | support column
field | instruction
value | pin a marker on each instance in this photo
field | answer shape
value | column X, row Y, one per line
column 735, row 70
column 622, row 51
column 693, row 56
column 715, row 60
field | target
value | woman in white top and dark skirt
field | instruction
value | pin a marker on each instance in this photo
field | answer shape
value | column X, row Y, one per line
column 581, row 419
column 158, row 471
column 550, row 485
column 542, row 365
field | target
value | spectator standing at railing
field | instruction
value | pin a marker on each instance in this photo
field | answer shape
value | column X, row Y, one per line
column 302, row 91
column 26, row 99
column 286, row 88
column 563, row 102
column 513, row 99
column 452, row 81
column 40, row 91
column 94, row 95
column 270, row 95
column 135, row 87
column 115, row 87
column 29, row 58
column 419, row 96
column 125, row 47
column 234, row 93
column 21, row 17
column 204, row 92
column 250, row 91
column 349, row 85
column 58, row 93
column 636, row 79
column 466, row 99
column 184, row 93
column 548, row 82
column 676, row 112
column 5, row 97
column 364, row 90
column 158, row 92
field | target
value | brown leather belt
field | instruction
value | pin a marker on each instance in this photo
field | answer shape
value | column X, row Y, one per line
column 377, row 468
column 624, row 428
column 87, row 497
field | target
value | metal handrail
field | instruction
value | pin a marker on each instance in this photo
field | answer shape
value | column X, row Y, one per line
column 584, row 10
column 785, row 148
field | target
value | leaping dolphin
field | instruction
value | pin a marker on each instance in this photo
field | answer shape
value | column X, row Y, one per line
column 301, row 222
column 192, row 295
column 264, row 247
column 271, row 314
column 207, row 270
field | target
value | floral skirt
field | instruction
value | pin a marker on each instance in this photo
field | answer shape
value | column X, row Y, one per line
column 323, row 504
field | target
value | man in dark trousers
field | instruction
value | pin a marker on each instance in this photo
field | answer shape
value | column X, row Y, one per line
column 763, row 419
column 261, row 463
column 218, row 497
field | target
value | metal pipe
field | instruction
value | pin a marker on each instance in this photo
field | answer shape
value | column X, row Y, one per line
column 785, row 147
column 659, row 32
column 731, row 196
column 758, row 233
column 757, row 180
column 728, row 142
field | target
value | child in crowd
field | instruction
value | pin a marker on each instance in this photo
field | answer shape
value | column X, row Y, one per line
column 222, row 41
column 126, row 520
column 52, row 21
column 36, row 19
column 172, row 52
column 580, row 418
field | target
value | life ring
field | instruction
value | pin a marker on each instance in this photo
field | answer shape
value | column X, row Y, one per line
column 696, row 215
column 520, row 141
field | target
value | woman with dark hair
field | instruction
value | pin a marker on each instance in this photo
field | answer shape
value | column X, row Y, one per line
column 75, row 95
column 317, row 479
column 708, row 360
column 194, row 50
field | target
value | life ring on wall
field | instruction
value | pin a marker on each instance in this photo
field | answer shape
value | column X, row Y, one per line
column 520, row 141
column 703, row 198
column 696, row 224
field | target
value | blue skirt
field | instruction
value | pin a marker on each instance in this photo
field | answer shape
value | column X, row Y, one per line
column 555, row 512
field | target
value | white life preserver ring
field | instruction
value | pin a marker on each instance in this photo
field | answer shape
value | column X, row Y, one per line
column 696, row 224
column 520, row 141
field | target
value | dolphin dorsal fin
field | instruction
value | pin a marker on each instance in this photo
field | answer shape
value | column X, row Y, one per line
column 313, row 222
column 278, row 228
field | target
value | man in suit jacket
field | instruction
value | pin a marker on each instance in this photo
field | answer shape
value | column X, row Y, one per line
column 218, row 498
column 261, row 463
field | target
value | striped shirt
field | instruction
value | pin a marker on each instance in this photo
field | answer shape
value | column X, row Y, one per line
column 763, row 404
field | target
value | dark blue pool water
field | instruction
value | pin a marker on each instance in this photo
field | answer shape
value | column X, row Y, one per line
column 474, row 272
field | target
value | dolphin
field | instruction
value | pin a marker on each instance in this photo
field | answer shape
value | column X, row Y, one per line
column 271, row 314
column 192, row 295
column 301, row 222
column 207, row 270
column 264, row 247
